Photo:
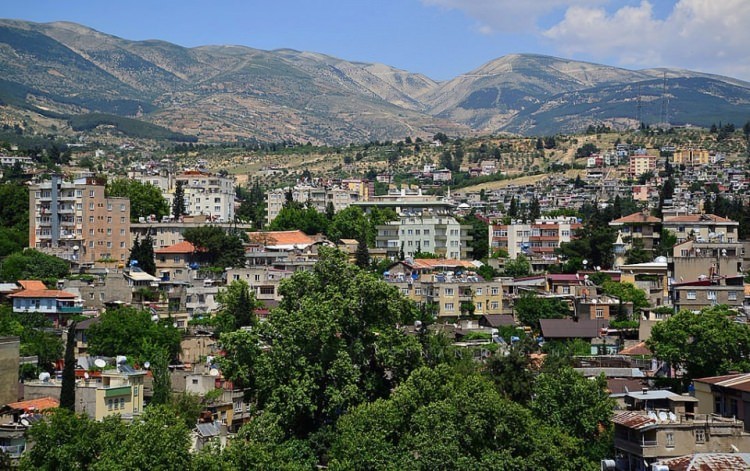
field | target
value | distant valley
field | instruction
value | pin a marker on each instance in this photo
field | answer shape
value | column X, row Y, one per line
column 77, row 75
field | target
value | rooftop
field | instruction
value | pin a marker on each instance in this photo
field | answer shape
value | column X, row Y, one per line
column 637, row 218
column 709, row 462
column 697, row 218
column 40, row 404
column 178, row 248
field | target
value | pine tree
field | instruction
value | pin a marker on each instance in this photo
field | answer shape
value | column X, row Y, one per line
column 146, row 256
column 68, row 388
column 178, row 203
column 363, row 254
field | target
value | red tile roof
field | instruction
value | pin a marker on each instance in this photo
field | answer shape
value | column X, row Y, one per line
column 637, row 349
column 32, row 284
column 709, row 462
column 41, row 404
column 440, row 263
column 639, row 217
column 45, row 293
column 633, row 420
column 178, row 248
column 281, row 238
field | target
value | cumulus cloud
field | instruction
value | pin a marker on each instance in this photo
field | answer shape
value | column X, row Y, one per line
column 707, row 35
column 506, row 16
column 702, row 34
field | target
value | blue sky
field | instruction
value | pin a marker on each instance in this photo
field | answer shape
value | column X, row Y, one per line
column 440, row 38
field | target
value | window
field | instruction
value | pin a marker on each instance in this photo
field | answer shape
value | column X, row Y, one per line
column 670, row 439
column 449, row 291
column 418, row 291
column 566, row 290
column 122, row 208
column 478, row 306
column 479, row 291
column 122, row 220
column 267, row 290
column 122, row 403
column 426, row 232
column 91, row 193
column 495, row 291
column 711, row 295
column 449, row 306
column 109, row 231
column 91, row 206
column 109, row 404
column 109, row 206
column 195, row 381
column 691, row 294
column 732, row 295
column 109, row 219
column 700, row 435
column 494, row 305
column 599, row 313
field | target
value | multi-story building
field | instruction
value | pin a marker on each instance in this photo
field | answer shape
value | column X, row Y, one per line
column 208, row 194
column 436, row 233
column 702, row 228
column 640, row 225
column 542, row 237
column 450, row 286
column 692, row 157
column 74, row 221
column 640, row 164
column 660, row 425
column 341, row 196
column 58, row 306
column 167, row 233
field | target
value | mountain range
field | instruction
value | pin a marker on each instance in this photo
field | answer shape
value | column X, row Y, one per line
column 227, row 92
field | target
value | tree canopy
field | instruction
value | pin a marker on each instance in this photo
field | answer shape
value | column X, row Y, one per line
column 33, row 265
column 708, row 343
column 130, row 331
column 145, row 199
column 530, row 308
column 216, row 247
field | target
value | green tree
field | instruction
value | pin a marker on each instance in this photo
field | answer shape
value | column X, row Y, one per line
column 348, row 224
column 627, row 292
column 586, row 150
column 68, row 388
column 216, row 247
column 578, row 405
column 298, row 217
column 479, row 233
column 517, row 268
column 363, row 254
column 145, row 199
column 637, row 254
column 330, row 344
column 239, row 362
column 529, row 308
column 178, row 203
column 33, row 265
column 709, row 343
column 143, row 254
column 130, row 331
column 162, row 382
column 236, row 307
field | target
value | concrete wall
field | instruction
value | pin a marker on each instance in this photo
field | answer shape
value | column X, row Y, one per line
column 9, row 359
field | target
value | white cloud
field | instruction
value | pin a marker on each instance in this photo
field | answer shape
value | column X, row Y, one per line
column 506, row 16
column 707, row 35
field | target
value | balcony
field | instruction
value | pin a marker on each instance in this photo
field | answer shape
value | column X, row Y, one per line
column 69, row 309
column 13, row 451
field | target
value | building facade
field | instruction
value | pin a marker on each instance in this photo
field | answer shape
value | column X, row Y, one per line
column 74, row 221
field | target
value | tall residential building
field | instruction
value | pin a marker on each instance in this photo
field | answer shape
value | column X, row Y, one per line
column 74, row 221
column 692, row 157
column 640, row 164
column 208, row 194
column 541, row 237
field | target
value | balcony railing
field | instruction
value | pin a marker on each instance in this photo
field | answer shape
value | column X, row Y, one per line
column 13, row 451
column 69, row 309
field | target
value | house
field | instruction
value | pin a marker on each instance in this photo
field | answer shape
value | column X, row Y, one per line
column 708, row 462
column 174, row 263
column 640, row 225
column 15, row 420
column 660, row 425
column 726, row 396
column 57, row 305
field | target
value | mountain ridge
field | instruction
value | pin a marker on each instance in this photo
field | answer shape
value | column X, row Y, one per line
column 226, row 92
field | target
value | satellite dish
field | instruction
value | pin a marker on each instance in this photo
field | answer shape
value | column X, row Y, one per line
column 213, row 372
column 147, row 365
column 121, row 359
column 86, row 375
column 100, row 363
column 155, row 318
column 25, row 422
column 44, row 376
column 76, row 248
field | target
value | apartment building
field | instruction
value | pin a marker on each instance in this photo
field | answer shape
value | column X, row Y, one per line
column 702, row 228
column 74, row 221
column 640, row 225
column 450, row 286
column 205, row 193
column 341, row 196
column 640, row 164
column 692, row 157
column 541, row 237
column 440, row 234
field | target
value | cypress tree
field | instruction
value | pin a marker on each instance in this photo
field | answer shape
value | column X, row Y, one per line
column 68, row 389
